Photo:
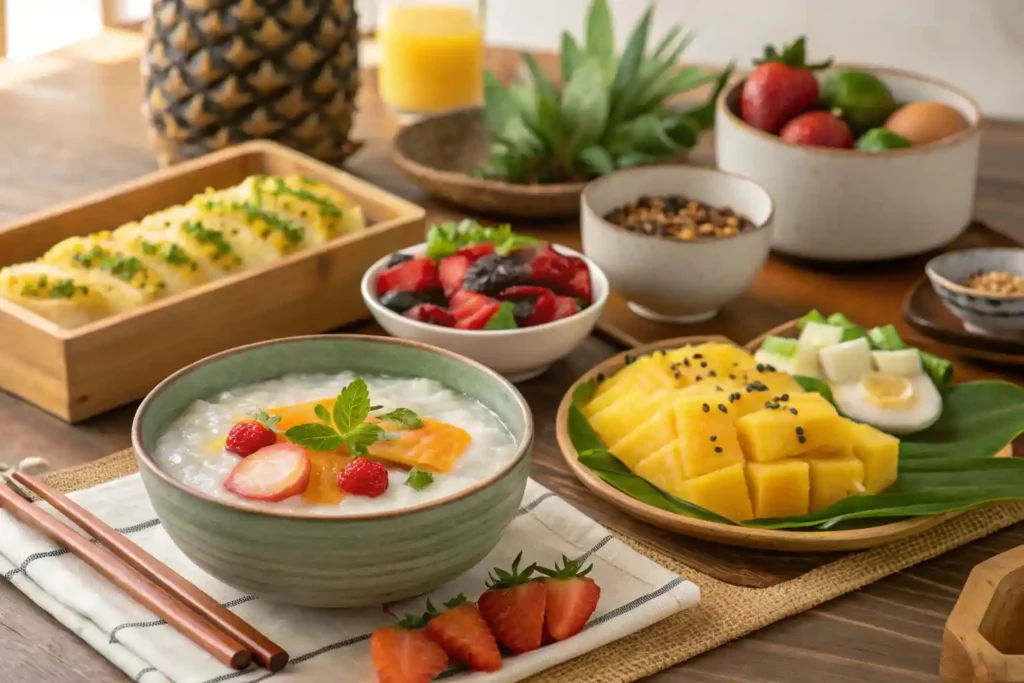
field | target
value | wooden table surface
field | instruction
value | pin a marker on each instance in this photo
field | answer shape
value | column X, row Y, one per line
column 70, row 124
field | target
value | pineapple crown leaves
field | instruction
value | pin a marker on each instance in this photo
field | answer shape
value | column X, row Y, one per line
column 500, row 579
column 794, row 55
column 611, row 111
column 570, row 569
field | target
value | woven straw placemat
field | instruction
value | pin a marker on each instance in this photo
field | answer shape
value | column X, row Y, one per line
column 726, row 612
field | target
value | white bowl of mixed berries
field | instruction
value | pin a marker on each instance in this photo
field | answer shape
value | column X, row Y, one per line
column 509, row 301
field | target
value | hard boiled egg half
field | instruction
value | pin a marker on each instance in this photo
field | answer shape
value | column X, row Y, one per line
column 887, row 389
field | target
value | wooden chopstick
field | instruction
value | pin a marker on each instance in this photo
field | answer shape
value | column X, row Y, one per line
column 266, row 653
column 220, row 645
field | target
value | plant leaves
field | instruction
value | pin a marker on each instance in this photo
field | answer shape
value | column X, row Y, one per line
column 504, row 318
column 499, row 106
column 644, row 134
column 585, row 106
column 582, row 435
column 596, row 160
column 549, row 124
column 419, row 479
column 704, row 115
column 362, row 437
column 634, row 159
column 315, row 437
column 584, row 392
column 322, row 413
column 817, row 386
column 629, row 66
column 600, row 33
column 545, row 88
column 572, row 56
column 352, row 406
column 402, row 417
column 666, row 42
column 444, row 239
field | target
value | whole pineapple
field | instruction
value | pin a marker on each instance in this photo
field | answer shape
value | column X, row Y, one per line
column 218, row 72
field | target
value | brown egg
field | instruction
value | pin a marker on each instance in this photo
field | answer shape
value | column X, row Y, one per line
column 924, row 122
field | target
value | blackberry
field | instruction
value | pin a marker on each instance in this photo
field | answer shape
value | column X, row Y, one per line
column 492, row 273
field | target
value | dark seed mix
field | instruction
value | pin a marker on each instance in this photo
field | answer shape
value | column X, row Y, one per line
column 676, row 217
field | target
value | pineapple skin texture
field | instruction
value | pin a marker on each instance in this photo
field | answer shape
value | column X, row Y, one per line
column 708, row 424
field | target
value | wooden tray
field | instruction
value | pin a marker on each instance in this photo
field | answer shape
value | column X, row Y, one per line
column 768, row 539
column 924, row 311
column 78, row 373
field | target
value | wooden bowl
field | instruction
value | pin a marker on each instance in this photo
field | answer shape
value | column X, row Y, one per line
column 440, row 152
column 984, row 637
column 768, row 539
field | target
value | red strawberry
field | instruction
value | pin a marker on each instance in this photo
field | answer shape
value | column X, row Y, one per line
column 540, row 304
column 245, row 438
column 452, row 272
column 272, row 473
column 464, row 635
column 463, row 303
column 548, row 268
column 364, row 477
column 479, row 319
column 572, row 598
column 415, row 275
column 781, row 87
column 579, row 283
column 475, row 251
column 513, row 606
column 404, row 654
column 431, row 313
column 817, row 129
column 565, row 306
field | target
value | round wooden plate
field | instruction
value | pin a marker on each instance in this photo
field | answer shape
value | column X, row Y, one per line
column 769, row 539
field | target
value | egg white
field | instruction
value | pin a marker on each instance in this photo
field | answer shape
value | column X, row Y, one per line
column 920, row 412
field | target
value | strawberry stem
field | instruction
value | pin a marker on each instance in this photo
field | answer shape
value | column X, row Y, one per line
column 794, row 55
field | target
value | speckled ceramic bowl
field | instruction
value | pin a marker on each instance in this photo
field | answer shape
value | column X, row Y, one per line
column 980, row 312
column 322, row 561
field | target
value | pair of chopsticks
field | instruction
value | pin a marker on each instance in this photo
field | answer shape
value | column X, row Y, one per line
column 145, row 578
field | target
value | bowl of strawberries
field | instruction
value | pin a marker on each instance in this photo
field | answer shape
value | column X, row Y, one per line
column 512, row 302
column 864, row 162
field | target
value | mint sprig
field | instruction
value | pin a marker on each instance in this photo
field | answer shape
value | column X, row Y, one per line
column 264, row 418
column 347, row 424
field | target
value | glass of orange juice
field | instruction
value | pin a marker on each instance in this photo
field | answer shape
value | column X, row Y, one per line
column 431, row 54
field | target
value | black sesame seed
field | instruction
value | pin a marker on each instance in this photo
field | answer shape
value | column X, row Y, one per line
column 770, row 368
column 719, row 389
column 768, row 404
column 628, row 359
column 800, row 430
column 801, row 438
column 712, row 374
column 714, row 438
column 721, row 406
column 759, row 367
column 686, row 362
column 794, row 411
column 731, row 376
column 784, row 397
column 732, row 397
column 600, row 377
column 698, row 355
column 677, row 374
column 706, row 407
column 664, row 352
column 703, row 364
column 698, row 378
column 718, row 449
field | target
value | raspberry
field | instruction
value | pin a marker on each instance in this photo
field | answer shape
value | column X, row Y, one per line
column 363, row 477
column 245, row 438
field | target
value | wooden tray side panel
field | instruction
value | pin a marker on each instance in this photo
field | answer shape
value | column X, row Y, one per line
column 32, row 362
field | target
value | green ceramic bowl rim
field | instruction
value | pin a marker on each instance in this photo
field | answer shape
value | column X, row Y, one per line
column 146, row 459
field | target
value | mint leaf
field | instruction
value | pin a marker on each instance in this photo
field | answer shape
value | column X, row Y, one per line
column 352, row 406
column 315, row 437
column 504, row 319
column 264, row 418
column 402, row 417
column 322, row 413
column 362, row 437
column 419, row 480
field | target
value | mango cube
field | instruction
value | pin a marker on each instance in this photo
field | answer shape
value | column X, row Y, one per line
column 664, row 469
column 619, row 419
column 706, row 362
column 651, row 436
column 723, row 491
column 707, row 435
column 760, row 387
column 649, row 372
column 833, row 479
column 805, row 423
column 878, row 452
column 779, row 489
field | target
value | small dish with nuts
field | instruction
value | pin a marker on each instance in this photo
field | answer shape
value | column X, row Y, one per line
column 982, row 287
column 678, row 242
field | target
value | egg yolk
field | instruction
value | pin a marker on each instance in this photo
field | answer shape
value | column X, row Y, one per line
column 887, row 390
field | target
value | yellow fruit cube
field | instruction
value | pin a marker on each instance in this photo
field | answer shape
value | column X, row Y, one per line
column 623, row 389
column 707, row 362
column 833, row 479
column 779, row 489
column 805, row 423
column 706, row 435
column 619, row 419
column 878, row 452
column 658, row 431
column 650, row 372
column 723, row 491
column 664, row 469
column 758, row 388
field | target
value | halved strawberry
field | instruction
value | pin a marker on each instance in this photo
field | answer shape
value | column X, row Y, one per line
column 571, row 598
column 565, row 306
column 479, row 319
column 540, row 302
column 475, row 251
column 404, row 654
column 551, row 269
column 431, row 313
column 579, row 284
column 513, row 606
column 452, row 271
column 415, row 275
column 463, row 303
column 272, row 473
column 464, row 635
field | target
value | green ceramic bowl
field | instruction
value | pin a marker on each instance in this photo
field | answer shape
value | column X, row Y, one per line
column 321, row 561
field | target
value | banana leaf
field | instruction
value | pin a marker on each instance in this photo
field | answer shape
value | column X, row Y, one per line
column 948, row 467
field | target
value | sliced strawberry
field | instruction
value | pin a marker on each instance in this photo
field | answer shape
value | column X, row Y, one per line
column 549, row 268
column 475, row 251
column 579, row 283
column 479, row 319
column 452, row 271
column 463, row 304
column 415, row 275
column 272, row 473
column 431, row 313
column 565, row 306
column 540, row 300
column 464, row 635
column 571, row 598
column 513, row 606
column 402, row 655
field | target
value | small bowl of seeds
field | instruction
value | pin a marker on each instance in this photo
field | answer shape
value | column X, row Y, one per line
column 678, row 242
column 982, row 287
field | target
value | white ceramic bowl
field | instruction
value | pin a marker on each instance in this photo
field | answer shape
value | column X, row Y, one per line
column 981, row 313
column 845, row 205
column 672, row 280
column 517, row 354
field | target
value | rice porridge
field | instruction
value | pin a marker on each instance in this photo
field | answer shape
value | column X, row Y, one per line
column 193, row 449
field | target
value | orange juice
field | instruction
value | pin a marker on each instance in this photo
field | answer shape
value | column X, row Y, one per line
column 431, row 57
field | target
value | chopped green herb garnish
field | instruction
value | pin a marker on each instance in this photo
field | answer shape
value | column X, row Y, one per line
column 201, row 234
column 254, row 213
column 87, row 258
column 177, row 256
column 65, row 289
column 327, row 208
column 402, row 417
column 419, row 479
column 265, row 418
column 307, row 181
column 149, row 248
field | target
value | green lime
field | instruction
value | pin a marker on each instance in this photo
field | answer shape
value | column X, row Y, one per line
column 862, row 98
column 881, row 139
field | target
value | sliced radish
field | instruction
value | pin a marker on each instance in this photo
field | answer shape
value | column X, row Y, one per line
column 272, row 473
